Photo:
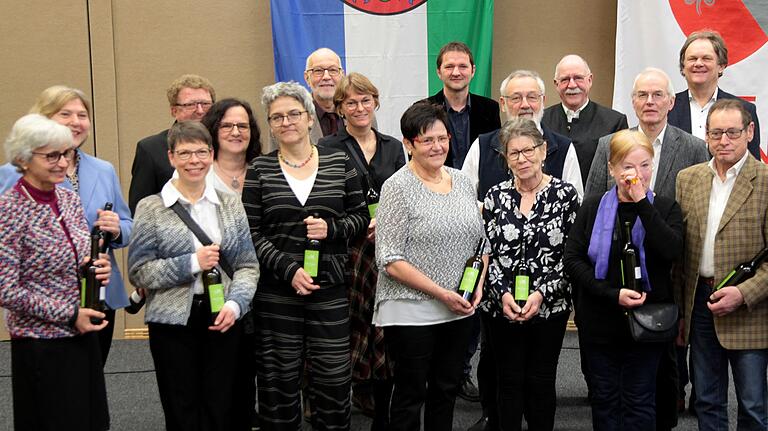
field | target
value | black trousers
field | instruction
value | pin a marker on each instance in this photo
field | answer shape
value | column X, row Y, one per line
column 428, row 371
column 195, row 370
column 244, row 396
column 487, row 375
column 105, row 335
column 526, row 357
column 289, row 330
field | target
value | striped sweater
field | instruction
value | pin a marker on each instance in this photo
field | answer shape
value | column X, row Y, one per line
column 276, row 218
column 39, row 281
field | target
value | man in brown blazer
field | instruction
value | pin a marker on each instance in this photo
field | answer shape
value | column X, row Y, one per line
column 725, row 209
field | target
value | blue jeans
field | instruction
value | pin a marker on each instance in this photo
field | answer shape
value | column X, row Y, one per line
column 623, row 381
column 710, row 381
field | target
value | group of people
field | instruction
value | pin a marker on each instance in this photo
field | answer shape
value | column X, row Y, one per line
column 325, row 273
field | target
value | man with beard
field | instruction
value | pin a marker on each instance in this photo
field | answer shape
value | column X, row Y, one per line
column 578, row 117
column 323, row 74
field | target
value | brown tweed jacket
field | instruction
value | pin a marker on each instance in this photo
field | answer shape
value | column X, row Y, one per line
column 743, row 231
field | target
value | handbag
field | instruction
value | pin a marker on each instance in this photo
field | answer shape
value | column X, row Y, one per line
column 653, row 323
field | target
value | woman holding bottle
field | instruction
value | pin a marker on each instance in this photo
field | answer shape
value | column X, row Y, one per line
column 622, row 371
column 198, row 288
column 375, row 157
column 428, row 224
column 527, row 220
column 57, row 375
column 96, row 182
column 304, row 203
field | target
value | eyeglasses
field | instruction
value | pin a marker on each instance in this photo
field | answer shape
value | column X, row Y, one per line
column 717, row 134
column 644, row 95
column 565, row 80
column 202, row 154
column 526, row 152
column 428, row 142
column 351, row 105
column 518, row 98
column 319, row 72
column 55, row 156
column 229, row 127
column 191, row 106
column 277, row 119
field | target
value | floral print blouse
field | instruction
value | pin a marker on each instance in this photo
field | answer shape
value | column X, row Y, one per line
column 543, row 232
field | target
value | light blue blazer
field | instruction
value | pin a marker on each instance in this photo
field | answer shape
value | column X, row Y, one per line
column 98, row 185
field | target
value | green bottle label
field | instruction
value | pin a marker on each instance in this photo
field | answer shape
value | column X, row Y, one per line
column 311, row 262
column 82, row 292
column 216, row 296
column 521, row 287
column 372, row 209
column 468, row 280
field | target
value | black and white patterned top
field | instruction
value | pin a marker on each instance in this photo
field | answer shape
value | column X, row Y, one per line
column 544, row 231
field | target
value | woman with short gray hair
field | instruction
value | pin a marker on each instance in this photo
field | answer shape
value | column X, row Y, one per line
column 56, row 371
column 297, row 194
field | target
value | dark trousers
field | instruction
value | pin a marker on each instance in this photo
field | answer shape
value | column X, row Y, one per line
column 105, row 335
column 195, row 371
column 474, row 341
column 487, row 375
column 244, row 396
column 526, row 357
column 623, row 378
column 667, row 389
column 289, row 330
column 428, row 371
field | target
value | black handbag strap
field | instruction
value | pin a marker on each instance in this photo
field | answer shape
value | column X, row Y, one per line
column 359, row 162
column 201, row 236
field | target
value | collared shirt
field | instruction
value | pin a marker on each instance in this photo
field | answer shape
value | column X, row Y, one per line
column 718, row 199
column 205, row 213
column 656, row 153
column 573, row 115
column 458, row 127
column 329, row 121
column 699, row 115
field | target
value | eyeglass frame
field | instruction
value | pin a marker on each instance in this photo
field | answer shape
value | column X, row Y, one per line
column 201, row 154
column 276, row 120
column 319, row 72
column 515, row 155
column 366, row 103
column 728, row 132
column 430, row 141
column 230, row 127
column 191, row 106
column 527, row 97
column 58, row 155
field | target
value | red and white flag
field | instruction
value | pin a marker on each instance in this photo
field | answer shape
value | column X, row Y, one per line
column 651, row 32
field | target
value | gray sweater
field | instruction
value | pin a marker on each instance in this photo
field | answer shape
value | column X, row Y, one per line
column 160, row 252
column 436, row 233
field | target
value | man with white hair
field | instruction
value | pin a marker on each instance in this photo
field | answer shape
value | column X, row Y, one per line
column 674, row 149
column 577, row 116
column 323, row 73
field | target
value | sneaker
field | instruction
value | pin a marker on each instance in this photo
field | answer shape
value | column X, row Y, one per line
column 468, row 390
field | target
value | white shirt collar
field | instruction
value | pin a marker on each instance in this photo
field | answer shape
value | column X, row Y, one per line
column 733, row 170
column 712, row 99
column 570, row 115
column 661, row 134
column 171, row 194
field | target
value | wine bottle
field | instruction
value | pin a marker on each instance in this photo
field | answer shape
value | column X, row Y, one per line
column 136, row 302
column 312, row 255
column 92, row 293
column 743, row 272
column 472, row 270
column 522, row 280
column 630, row 262
column 106, row 236
column 214, row 290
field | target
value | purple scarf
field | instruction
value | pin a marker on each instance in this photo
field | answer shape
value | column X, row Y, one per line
column 602, row 234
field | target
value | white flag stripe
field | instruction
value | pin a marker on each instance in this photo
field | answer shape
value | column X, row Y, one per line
column 397, row 66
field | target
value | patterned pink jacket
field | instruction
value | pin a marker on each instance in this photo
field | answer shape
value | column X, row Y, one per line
column 39, row 283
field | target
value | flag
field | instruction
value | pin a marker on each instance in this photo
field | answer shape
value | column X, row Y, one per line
column 651, row 33
column 392, row 42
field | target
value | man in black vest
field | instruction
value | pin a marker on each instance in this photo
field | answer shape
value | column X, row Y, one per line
column 578, row 117
column 522, row 95
column 468, row 114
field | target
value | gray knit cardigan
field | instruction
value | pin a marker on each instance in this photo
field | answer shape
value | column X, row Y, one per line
column 159, row 258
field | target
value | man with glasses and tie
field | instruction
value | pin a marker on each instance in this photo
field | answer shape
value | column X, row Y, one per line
column 577, row 116
column 190, row 97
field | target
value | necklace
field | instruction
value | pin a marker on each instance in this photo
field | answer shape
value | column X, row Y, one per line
column 534, row 187
column 294, row 165
column 235, row 183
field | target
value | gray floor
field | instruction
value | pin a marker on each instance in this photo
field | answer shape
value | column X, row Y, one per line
column 135, row 405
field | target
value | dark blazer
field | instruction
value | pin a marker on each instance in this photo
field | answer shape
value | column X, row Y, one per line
column 679, row 150
column 680, row 116
column 594, row 122
column 483, row 118
column 151, row 168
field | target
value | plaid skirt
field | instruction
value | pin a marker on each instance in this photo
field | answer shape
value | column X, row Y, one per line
column 369, row 357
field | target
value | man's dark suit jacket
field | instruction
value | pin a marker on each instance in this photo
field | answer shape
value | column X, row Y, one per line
column 680, row 116
column 594, row 122
column 151, row 168
column 483, row 118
